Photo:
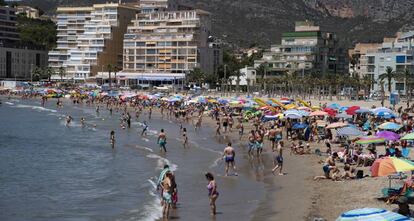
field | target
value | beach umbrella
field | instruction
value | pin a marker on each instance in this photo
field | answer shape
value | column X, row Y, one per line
column 389, row 126
column 388, row 135
column 330, row 111
column 342, row 109
column 293, row 116
column 362, row 111
column 385, row 114
column 381, row 109
column 336, row 125
column 352, row 110
column 321, row 123
column 304, row 108
column 409, row 136
column 298, row 126
column 343, row 115
column 389, row 165
column 370, row 140
column 334, row 106
column 318, row 113
column 349, row 131
column 269, row 117
column 371, row 214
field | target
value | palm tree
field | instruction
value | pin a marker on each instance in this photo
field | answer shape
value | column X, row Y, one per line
column 62, row 73
column 260, row 71
column 109, row 68
column 37, row 73
column 238, row 75
column 48, row 72
column 116, row 70
column 389, row 75
column 408, row 79
column 196, row 75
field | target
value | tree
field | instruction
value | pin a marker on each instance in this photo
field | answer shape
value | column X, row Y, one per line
column 48, row 72
column 388, row 75
column 62, row 73
column 37, row 74
column 408, row 79
column 37, row 32
column 109, row 69
column 196, row 75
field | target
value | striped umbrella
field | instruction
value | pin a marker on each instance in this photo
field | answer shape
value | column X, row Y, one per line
column 390, row 165
column 370, row 140
column 389, row 126
column 371, row 214
column 349, row 131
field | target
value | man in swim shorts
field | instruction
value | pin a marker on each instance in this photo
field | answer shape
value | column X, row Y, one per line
column 229, row 154
column 162, row 140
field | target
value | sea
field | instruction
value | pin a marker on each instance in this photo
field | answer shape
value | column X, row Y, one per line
column 53, row 171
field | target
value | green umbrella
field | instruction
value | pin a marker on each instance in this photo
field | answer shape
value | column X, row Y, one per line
column 408, row 137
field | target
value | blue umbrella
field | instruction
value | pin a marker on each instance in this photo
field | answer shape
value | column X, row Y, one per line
column 293, row 116
column 362, row 111
column 299, row 126
column 390, row 126
column 371, row 214
column 342, row 109
column 343, row 115
column 349, row 131
column 385, row 114
column 334, row 106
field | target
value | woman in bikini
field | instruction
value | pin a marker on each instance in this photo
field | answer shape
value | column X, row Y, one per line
column 212, row 192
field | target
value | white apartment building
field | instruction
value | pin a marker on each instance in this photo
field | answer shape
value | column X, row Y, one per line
column 90, row 38
column 396, row 53
column 167, row 45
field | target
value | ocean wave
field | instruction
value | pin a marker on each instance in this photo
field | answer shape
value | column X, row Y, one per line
column 9, row 103
column 162, row 161
column 152, row 210
column 35, row 108
column 145, row 148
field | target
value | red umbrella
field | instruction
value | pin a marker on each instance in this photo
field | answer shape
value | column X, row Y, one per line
column 352, row 110
column 330, row 111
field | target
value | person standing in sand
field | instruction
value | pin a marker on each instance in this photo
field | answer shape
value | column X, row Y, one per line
column 229, row 155
column 212, row 192
column 272, row 137
column 162, row 140
column 278, row 158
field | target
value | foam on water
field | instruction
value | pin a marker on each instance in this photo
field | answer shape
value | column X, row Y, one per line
column 152, row 209
column 145, row 148
column 162, row 161
column 9, row 103
column 35, row 108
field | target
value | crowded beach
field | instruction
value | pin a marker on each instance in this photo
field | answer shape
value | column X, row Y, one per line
column 350, row 145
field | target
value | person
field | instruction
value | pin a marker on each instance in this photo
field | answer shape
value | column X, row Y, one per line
column 185, row 138
column 162, row 140
column 272, row 137
column 167, row 194
column 82, row 121
column 252, row 141
column 145, row 128
column 229, row 154
column 278, row 158
column 213, row 194
column 128, row 120
column 68, row 120
column 112, row 138
column 241, row 130
column 150, row 112
column 329, row 166
column 218, row 128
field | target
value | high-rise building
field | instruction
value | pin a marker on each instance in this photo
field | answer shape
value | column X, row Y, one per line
column 168, row 44
column 396, row 53
column 17, row 61
column 90, row 38
column 8, row 29
column 304, row 50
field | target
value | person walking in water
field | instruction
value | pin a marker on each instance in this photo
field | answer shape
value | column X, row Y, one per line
column 278, row 158
column 82, row 121
column 145, row 128
column 112, row 138
column 68, row 120
column 185, row 138
column 212, row 192
column 229, row 154
column 167, row 190
column 162, row 140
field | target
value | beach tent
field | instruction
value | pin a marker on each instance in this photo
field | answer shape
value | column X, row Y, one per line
column 371, row 214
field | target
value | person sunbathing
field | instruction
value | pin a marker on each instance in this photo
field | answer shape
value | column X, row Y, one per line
column 328, row 167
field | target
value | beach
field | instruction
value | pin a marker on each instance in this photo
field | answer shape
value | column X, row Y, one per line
column 120, row 182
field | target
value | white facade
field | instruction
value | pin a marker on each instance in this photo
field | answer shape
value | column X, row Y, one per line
column 247, row 76
column 397, row 54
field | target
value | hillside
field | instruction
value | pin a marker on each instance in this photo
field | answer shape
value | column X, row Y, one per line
column 244, row 22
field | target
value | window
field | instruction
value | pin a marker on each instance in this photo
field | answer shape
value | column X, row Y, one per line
column 151, row 51
column 371, row 60
column 140, row 43
column 400, row 59
column 399, row 86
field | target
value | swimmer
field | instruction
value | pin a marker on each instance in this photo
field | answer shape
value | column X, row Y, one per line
column 82, row 122
column 229, row 154
column 68, row 120
column 112, row 138
column 162, row 140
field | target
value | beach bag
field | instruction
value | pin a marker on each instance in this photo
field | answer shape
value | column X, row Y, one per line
column 360, row 174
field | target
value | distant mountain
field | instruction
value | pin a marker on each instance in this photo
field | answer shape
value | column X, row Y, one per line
column 244, row 22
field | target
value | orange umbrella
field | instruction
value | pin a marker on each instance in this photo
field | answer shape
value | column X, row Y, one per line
column 318, row 113
column 390, row 165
